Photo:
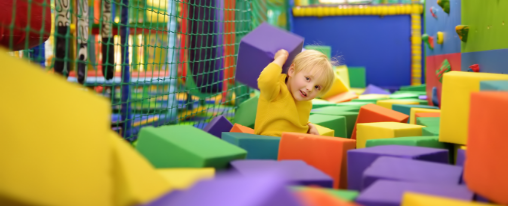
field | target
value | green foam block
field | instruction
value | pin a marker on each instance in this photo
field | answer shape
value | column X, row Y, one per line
column 368, row 101
column 327, row 50
column 419, row 141
column 350, row 118
column 346, row 195
column 318, row 103
column 428, row 121
column 352, row 103
column 246, row 112
column 336, row 123
column 419, row 93
column 257, row 146
column 430, row 131
column 357, row 77
column 420, row 88
column 335, row 108
column 185, row 146
column 406, row 108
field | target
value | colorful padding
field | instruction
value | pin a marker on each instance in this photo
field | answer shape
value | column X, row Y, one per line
column 241, row 129
column 384, row 130
column 347, row 195
column 245, row 114
column 375, row 113
column 420, row 199
column 257, row 146
column 336, row 123
column 412, row 116
column 388, row 103
column 417, row 141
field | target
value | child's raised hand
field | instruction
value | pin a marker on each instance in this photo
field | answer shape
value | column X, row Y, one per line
column 312, row 129
column 280, row 57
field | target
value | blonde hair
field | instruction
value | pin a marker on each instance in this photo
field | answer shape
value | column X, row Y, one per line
column 318, row 65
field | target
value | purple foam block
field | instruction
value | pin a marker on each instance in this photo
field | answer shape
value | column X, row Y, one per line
column 218, row 125
column 390, row 193
column 422, row 97
column 360, row 159
column 461, row 158
column 258, row 48
column 479, row 198
column 371, row 89
column 410, row 170
column 165, row 199
column 298, row 172
column 264, row 188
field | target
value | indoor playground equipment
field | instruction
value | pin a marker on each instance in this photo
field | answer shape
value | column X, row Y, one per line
column 164, row 112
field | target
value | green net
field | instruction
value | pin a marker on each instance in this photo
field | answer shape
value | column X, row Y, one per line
column 159, row 62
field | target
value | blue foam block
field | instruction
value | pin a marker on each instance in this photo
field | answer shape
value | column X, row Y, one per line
column 445, row 23
column 257, row 146
column 491, row 61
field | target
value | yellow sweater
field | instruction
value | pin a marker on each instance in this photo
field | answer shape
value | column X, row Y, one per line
column 277, row 110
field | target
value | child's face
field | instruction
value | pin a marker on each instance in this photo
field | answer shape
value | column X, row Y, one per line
column 303, row 85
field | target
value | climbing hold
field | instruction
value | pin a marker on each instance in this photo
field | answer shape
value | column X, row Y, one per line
column 462, row 31
column 445, row 67
column 445, row 4
column 429, row 41
column 440, row 37
column 433, row 12
column 474, row 68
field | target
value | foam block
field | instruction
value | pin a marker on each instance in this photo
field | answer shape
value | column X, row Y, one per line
column 384, row 130
column 372, row 89
column 389, row 102
column 316, row 197
column 256, row 51
column 324, row 131
column 135, row 180
column 461, row 157
column 336, row 123
column 374, row 96
column 327, row 50
column 338, row 87
column 430, row 114
column 357, row 77
column 390, row 193
column 352, row 104
column 419, row 199
column 410, row 170
column 406, row 108
column 241, row 129
column 430, row 131
column 412, row 117
column 184, row 178
column 297, row 172
column 342, row 97
column 357, row 90
column 413, row 88
column 245, row 114
column 257, row 146
column 485, row 171
column 218, row 125
column 347, row 195
column 350, row 118
column 417, row 141
column 360, row 159
column 335, row 110
column 428, row 121
column 501, row 85
column 405, row 96
column 260, row 189
column 318, row 103
column 54, row 157
column 175, row 146
column 373, row 101
column 375, row 113
column 455, row 103
column 343, row 73
column 327, row 154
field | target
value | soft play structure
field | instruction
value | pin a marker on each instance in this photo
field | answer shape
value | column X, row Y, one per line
column 154, row 103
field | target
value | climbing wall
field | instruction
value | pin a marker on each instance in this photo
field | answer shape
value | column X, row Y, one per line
column 480, row 46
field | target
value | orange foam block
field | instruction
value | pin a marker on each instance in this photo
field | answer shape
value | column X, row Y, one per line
column 342, row 97
column 241, row 129
column 424, row 114
column 485, row 170
column 316, row 197
column 374, row 113
column 328, row 154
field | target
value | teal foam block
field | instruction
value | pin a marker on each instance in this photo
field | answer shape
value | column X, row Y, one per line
column 185, row 146
column 350, row 118
column 406, row 109
column 245, row 114
column 418, row 141
column 430, row 131
column 497, row 85
column 357, row 77
column 428, row 121
column 420, row 88
column 336, row 123
column 257, row 146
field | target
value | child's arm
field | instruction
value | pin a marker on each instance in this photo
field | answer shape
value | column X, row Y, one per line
column 268, row 81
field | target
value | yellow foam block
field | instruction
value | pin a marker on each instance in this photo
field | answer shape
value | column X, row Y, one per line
column 384, row 130
column 416, row 199
column 389, row 102
column 455, row 99
column 374, row 96
column 136, row 181
column 358, row 91
column 183, row 178
column 325, row 131
column 413, row 111
column 54, row 146
column 343, row 72
column 338, row 87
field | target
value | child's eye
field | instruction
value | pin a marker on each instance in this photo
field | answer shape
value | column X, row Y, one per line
column 318, row 87
column 307, row 78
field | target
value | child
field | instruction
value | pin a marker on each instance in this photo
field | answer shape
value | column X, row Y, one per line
column 285, row 99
